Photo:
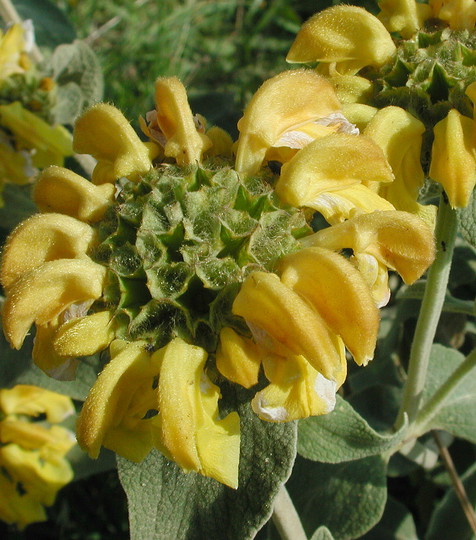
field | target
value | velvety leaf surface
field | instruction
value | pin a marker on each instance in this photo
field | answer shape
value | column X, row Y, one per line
column 467, row 221
column 457, row 414
column 396, row 524
column 166, row 503
column 342, row 435
column 348, row 498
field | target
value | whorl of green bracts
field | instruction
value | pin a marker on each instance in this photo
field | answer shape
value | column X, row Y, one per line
column 178, row 244
column 429, row 74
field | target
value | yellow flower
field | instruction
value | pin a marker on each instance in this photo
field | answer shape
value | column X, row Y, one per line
column 301, row 322
column 283, row 105
column 179, row 267
column 51, row 144
column 399, row 135
column 14, row 45
column 347, row 37
column 381, row 241
column 403, row 16
column 336, row 175
column 460, row 14
column 32, row 455
column 175, row 120
column 186, row 425
column 104, row 132
column 453, row 161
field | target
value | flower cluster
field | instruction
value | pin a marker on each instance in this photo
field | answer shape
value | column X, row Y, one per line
column 28, row 138
column 413, row 94
column 197, row 264
column 33, row 466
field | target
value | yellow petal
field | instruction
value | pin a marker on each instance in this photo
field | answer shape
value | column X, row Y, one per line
column 375, row 275
column 339, row 205
column 41, row 479
column 359, row 114
column 42, row 294
column 399, row 240
column 12, row 44
column 296, row 391
column 192, row 432
column 330, row 164
column 85, row 335
column 285, row 324
column 62, row 368
column 453, row 161
column 174, row 117
column 52, row 143
column 42, row 238
column 340, row 295
column 238, row 359
column 460, row 14
column 62, row 190
column 403, row 16
column 222, row 143
column 16, row 508
column 34, row 436
column 33, row 401
column 347, row 35
column 104, row 132
column 399, row 135
column 282, row 103
column 351, row 88
column 113, row 413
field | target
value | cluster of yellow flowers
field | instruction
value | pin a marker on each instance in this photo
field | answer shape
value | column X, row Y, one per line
column 290, row 318
column 28, row 141
column 33, row 466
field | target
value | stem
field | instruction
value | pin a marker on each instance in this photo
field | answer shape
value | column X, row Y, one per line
column 430, row 312
column 10, row 15
column 435, row 403
column 457, row 484
column 285, row 517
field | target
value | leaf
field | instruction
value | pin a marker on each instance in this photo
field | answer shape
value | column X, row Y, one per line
column 323, row 533
column 79, row 77
column 342, row 435
column 348, row 498
column 17, row 367
column 396, row 524
column 51, row 25
column 166, row 503
column 448, row 515
column 457, row 413
column 467, row 221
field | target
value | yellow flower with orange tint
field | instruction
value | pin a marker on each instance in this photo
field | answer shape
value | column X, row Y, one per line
column 32, row 455
column 189, row 269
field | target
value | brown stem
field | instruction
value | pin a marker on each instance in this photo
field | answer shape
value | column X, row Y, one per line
column 457, row 483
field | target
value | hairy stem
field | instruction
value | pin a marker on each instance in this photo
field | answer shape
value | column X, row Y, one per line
column 430, row 312
column 285, row 517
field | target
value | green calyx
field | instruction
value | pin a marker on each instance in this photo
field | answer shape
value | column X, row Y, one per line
column 178, row 244
column 429, row 74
